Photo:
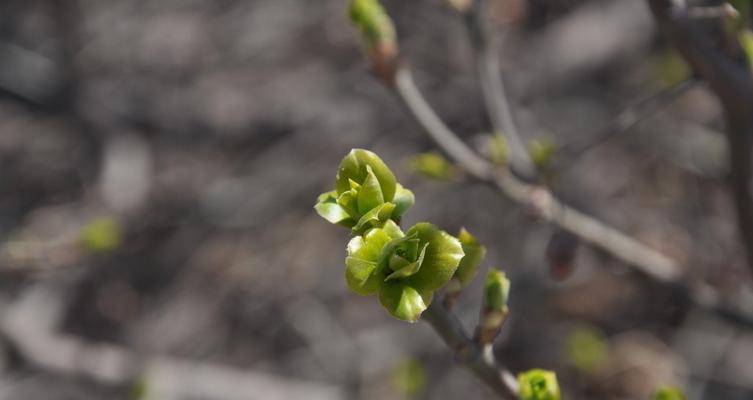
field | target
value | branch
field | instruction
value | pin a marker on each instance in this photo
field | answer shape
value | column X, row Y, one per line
column 614, row 242
column 729, row 76
column 633, row 114
column 632, row 252
column 479, row 360
column 492, row 87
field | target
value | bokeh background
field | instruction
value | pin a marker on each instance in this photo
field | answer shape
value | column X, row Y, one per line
column 159, row 161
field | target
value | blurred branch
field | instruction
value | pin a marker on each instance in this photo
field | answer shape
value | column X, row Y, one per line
column 478, row 359
column 632, row 115
column 616, row 243
column 729, row 76
column 493, row 88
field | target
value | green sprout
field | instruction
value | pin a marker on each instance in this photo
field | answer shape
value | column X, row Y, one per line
column 542, row 154
column 499, row 150
column 433, row 166
column 366, row 194
column 373, row 22
column 474, row 255
column 538, row 384
column 403, row 269
column 496, row 290
column 101, row 235
column 668, row 393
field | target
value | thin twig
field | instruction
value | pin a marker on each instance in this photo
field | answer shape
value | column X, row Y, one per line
column 616, row 243
column 729, row 76
column 479, row 360
column 631, row 116
column 632, row 252
column 493, row 88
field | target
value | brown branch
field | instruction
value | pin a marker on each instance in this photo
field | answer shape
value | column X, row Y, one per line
column 609, row 239
column 729, row 76
column 621, row 246
column 493, row 88
column 479, row 360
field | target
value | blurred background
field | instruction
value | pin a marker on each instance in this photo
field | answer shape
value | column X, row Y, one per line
column 159, row 161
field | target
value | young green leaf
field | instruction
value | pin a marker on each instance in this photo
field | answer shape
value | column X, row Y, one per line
column 474, row 255
column 373, row 22
column 496, row 290
column 366, row 194
column 403, row 200
column 403, row 301
column 405, row 269
column 354, row 167
column 538, row 384
column 365, row 272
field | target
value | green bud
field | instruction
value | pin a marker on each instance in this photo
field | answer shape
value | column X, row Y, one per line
column 101, row 235
column 373, row 22
column 499, row 151
column 496, row 290
column 542, row 154
column 432, row 166
column 538, row 384
column 366, row 194
column 474, row 255
column 403, row 269
column 586, row 349
column 668, row 393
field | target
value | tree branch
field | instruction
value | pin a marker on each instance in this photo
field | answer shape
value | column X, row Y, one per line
column 621, row 246
column 729, row 75
column 479, row 360
column 493, row 88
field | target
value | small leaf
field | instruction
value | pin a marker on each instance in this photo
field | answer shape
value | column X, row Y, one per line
column 375, row 217
column 474, row 255
column 403, row 200
column 370, row 193
column 542, row 154
column 369, row 246
column 364, row 274
column 373, row 22
column 496, row 290
column 410, row 269
column 328, row 209
column 402, row 301
column 432, row 166
column 353, row 167
column 669, row 393
column 538, row 384
column 441, row 260
column 361, row 276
